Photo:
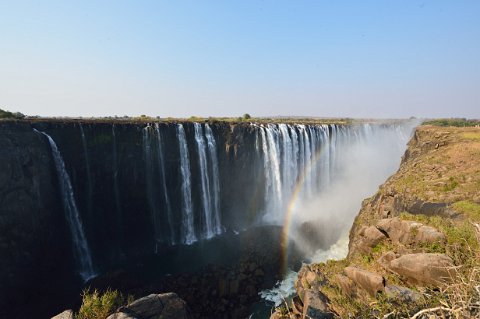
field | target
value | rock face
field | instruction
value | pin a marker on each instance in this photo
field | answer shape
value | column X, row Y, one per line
column 161, row 306
column 424, row 269
column 33, row 233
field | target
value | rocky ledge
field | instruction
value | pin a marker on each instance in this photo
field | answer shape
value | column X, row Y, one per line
column 414, row 247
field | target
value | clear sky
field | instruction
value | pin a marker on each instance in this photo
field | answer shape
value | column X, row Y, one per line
column 226, row 58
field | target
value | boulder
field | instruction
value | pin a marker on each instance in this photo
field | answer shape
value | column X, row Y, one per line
column 67, row 314
column 424, row 268
column 369, row 281
column 346, row 285
column 315, row 305
column 409, row 232
column 161, row 306
column 368, row 237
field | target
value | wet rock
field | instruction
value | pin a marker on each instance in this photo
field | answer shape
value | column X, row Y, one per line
column 369, row 281
column 164, row 306
column 67, row 314
column 424, row 268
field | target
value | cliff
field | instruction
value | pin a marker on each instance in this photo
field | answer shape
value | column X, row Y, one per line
column 414, row 247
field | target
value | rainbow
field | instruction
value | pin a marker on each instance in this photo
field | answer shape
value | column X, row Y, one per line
column 288, row 214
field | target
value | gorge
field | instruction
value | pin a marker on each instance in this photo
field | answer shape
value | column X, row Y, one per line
column 108, row 203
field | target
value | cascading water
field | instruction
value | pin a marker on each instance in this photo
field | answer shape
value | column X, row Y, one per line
column 209, row 176
column 81, row 250
column 205, row 181
column 187, row 231
column 215, row 175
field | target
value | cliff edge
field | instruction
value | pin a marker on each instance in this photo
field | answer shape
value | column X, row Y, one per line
column 414, row 249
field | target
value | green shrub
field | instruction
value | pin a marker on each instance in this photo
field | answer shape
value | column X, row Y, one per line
column 96, row 305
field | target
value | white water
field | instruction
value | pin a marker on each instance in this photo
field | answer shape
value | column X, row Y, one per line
column 187, row 232
column 205, row 181
column 81, row 250
column 215, row 175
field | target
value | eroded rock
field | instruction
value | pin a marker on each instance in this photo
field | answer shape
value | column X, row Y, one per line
column 369, row 281
column 424, row 268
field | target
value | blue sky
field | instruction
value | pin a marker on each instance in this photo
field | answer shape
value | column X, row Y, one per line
column 225, row 58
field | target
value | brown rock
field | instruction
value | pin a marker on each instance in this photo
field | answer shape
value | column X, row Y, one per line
column 424, row 268
column 409, row 232
column 386, row 258
column 369, row 281
column 346, row 285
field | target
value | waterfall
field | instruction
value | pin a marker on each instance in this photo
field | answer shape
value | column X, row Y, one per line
column 161, row 164
column 87, row 166
column 205, row 182
column 215, row 175
column 81, row 250
column 188, row 232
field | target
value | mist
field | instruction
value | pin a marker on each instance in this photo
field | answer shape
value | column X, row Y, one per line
column 320, row 224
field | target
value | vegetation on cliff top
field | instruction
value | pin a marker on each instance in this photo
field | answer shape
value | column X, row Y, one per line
column 458, row 122
column 10, row 115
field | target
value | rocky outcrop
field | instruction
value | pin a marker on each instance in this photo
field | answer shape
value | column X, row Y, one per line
column 154, row 306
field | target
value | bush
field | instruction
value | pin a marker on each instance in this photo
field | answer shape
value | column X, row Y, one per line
column 96, row 305
column 10, row 115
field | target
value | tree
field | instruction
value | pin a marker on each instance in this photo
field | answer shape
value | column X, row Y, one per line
column 246, row 116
